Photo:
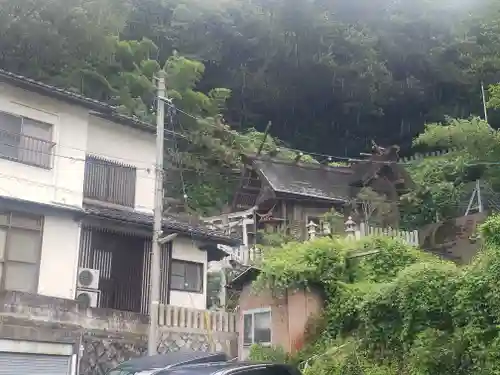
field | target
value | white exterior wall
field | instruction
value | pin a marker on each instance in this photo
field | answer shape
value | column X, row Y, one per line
column 77, row 133
column 59, row 261
column 129, row 146
column 63, row 183
column 187, row 249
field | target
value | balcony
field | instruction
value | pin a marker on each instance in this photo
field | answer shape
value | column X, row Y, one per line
column 194, row 320
column 26, row 149
column 110, row 182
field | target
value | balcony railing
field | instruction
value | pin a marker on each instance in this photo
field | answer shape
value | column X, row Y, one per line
column 26, row 149
column 188, row 319
column 108, row 181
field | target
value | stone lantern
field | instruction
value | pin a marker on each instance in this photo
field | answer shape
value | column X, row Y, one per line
column 350, row 228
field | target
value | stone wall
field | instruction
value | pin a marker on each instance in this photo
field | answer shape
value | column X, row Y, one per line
column 102, row 338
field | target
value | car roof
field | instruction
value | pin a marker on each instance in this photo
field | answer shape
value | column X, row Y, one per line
column 176, row 358
column 219, row 368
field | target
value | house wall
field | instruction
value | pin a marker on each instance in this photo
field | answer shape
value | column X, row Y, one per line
column 77, row 133
column 129, row 146
column 63, row 183
column 59, row 257
column 289, row 315
column 187, row 249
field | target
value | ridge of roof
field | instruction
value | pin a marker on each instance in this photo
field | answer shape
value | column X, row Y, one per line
column 292, row 163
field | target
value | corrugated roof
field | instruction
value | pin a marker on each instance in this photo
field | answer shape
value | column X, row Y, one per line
column 322, row 182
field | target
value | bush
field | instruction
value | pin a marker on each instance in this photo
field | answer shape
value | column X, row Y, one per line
column 399, row 311
column 274, row 354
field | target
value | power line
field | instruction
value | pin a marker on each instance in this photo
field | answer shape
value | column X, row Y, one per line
column 325, row 156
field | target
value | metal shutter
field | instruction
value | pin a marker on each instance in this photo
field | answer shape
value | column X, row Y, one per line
column 34, row 364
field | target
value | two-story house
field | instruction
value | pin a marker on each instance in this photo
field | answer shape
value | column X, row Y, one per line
column 76, row 204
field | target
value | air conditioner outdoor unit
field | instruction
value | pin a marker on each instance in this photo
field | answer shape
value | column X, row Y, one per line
column 88, row 279
column 88, row 298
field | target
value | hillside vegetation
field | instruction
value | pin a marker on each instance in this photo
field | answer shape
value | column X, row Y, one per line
column 331, row 76
column 400, row 311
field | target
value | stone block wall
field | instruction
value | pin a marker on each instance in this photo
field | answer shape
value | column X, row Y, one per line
column 102, row 338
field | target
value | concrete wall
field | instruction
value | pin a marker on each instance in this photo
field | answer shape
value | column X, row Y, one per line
column 187, row 249
column 290, row 314
column 103, row 337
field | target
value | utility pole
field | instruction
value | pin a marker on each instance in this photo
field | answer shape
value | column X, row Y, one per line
column 484, row 102
column 154, row 282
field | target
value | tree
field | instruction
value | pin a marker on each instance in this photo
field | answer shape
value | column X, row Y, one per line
column 445, row 183
column 399, row 311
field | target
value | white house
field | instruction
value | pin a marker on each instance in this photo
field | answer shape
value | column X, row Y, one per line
column 76, row 192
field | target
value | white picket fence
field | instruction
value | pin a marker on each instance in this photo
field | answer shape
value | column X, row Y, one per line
column 253, row 255
column 194, row 320
column 420, row 156
column 410, row 237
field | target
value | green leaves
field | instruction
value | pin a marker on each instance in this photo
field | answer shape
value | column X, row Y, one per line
column 445, row 183
column 399, row 311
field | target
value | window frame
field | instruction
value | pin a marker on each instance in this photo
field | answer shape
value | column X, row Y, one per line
column 252, row 313
column 201, row 266
column 49, row 142
column 8, row 226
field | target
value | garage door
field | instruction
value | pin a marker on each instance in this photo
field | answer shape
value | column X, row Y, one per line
column 34, row 364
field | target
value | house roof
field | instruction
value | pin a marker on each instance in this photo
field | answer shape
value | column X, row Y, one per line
column 99, row 108
column 177, row 224
column 308, row 180
column 325, row 182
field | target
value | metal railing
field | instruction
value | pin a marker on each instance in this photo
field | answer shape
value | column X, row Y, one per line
column 26, row 149
column 109, row 181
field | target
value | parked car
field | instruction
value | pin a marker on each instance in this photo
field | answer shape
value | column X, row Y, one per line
column 198, row 363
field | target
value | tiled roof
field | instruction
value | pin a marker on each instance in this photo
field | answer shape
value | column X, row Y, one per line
column 322, row 182
column 101, row 109
column 176, row 224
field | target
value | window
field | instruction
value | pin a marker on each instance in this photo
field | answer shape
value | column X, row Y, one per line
column 25, row 140
column 108, row 181
column 257, row 327
column 20, row 244
column 186, row 276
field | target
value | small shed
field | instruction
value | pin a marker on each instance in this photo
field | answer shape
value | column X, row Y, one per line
column 273, row 320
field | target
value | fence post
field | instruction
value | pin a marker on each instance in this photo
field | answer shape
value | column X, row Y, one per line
column 326, row 229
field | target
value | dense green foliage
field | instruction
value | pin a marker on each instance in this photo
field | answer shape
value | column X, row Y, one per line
column 353, row 70
column 445, row 183
column 330, row 76
column 399, row 311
